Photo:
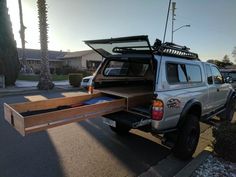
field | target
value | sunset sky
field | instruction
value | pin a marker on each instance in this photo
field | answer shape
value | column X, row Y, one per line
column 212, row 33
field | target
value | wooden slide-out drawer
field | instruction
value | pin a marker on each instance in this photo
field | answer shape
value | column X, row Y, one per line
column 33, row 123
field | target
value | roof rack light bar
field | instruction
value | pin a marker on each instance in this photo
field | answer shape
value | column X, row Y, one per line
column 176, row 50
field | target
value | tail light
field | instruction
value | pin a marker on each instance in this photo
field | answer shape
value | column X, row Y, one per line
column 157, row 110
column 90, row 89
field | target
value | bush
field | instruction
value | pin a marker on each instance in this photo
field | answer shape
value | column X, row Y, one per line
column 86, row 73
column 75, row 79
column 225, row 141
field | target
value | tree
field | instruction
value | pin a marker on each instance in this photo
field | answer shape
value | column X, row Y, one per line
column 234, row 53
column 226, row 59
column 9, row 62
column 218, row 63
column 45, row 80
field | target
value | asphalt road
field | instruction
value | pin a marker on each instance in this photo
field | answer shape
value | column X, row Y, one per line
column 88, row 148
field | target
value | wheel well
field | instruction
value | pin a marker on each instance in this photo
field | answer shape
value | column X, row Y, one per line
column 193, row 107
column 196, row 110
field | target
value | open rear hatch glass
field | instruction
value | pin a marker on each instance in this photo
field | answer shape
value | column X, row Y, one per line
column 114, row 47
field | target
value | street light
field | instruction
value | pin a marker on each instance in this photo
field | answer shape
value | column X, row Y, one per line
column 177, row 30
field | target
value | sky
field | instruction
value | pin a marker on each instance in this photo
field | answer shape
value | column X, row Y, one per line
column 212, row 33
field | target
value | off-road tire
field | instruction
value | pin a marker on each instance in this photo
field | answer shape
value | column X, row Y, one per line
column 120, row 129
column 228, row 114
column 188, row 137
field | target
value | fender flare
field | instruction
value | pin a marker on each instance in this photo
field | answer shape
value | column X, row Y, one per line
column 187, row 107
column 231, row 95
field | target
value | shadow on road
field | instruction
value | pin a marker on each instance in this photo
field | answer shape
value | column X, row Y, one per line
column 33, row 155
column 135, row 152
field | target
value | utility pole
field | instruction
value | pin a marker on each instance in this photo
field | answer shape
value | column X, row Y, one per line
column 173, row 19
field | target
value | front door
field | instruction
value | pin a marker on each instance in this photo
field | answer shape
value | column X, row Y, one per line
column 220, row 88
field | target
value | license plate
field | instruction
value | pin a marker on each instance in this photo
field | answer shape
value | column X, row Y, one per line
column 109, row 122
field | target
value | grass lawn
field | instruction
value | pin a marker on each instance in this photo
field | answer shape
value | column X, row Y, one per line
column 36, row 77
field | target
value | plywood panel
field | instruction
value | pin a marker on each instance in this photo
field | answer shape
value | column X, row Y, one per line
column 14, row 119
column 144, row 99
column 47, row 118
column 77, row 118
column 127, row 92
column 43, row 121
column 52, row 103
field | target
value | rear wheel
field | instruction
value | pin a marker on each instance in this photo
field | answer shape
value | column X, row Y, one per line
column 120, row 129
column 188, row 138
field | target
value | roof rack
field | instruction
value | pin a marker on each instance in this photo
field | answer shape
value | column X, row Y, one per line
column 171, row 49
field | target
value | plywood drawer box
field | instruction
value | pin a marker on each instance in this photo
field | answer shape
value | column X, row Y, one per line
column 33, row 123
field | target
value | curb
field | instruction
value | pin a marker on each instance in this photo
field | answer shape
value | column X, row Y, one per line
column 195, row 163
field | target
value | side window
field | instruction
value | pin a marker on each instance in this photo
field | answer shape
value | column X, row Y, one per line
column 183, row 73
column 218, row 79
column 194, row 73
column 209, row 75
column 175, row 73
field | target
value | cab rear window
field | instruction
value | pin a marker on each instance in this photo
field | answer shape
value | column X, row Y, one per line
column 125, row 68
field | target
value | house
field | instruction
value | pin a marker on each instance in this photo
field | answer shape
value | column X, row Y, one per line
column 33, row 60
column 80, row 60
column 83, row 60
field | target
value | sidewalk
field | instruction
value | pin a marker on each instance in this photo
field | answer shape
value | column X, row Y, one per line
column 171, row 166
column 22, row 87
column 24, row 84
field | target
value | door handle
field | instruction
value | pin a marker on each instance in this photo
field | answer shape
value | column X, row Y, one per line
column 217, row 89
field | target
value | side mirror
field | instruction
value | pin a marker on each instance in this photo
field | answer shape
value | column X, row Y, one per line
column 228, row 79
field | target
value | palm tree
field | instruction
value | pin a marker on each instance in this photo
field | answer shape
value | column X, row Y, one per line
column 22, row 33
column 45, row 80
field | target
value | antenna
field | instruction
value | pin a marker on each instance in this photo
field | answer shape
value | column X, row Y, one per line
column 167, row 18
column 173, row 19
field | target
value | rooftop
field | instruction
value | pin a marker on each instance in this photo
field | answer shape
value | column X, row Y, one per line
column 77, row 54
column 35, row 54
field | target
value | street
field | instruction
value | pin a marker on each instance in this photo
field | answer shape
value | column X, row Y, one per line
column 88, row 148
